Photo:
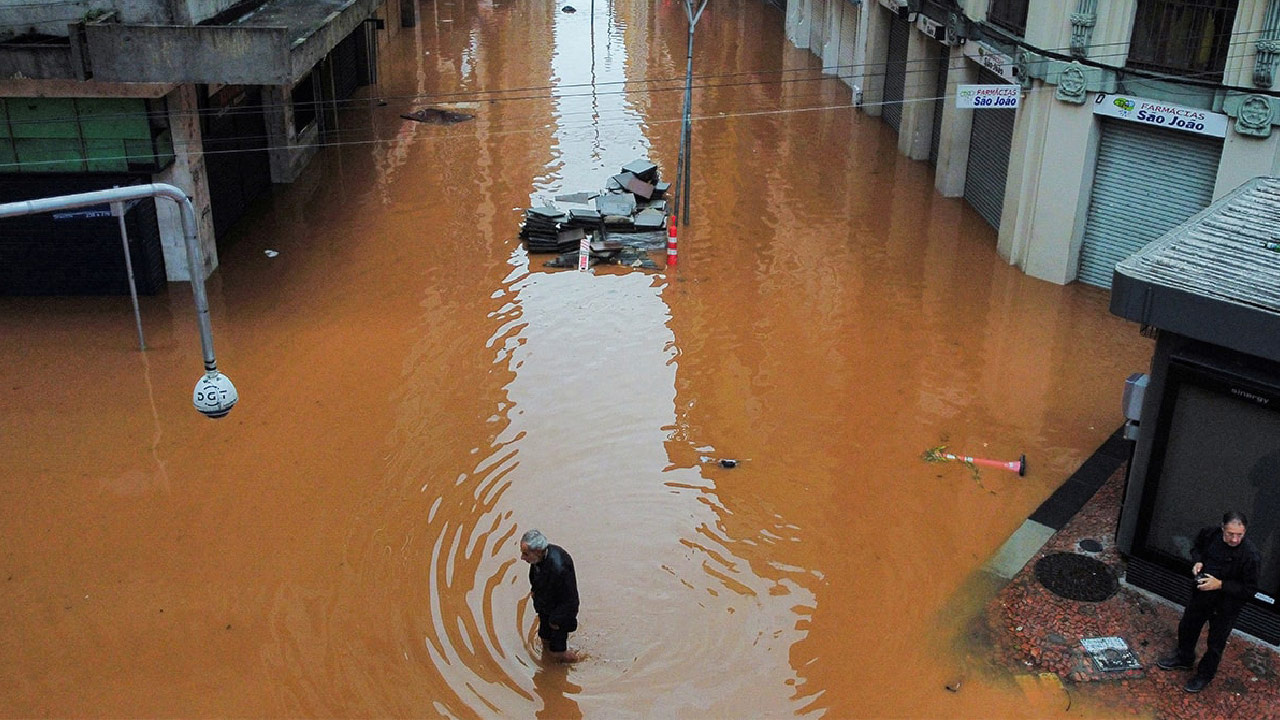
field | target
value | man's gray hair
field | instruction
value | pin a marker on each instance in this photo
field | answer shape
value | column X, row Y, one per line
column 534, row 540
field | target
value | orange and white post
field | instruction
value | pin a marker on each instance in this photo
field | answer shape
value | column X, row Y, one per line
column 672, row 257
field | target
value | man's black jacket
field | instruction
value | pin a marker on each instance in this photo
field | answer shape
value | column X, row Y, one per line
column 555, row 589
column 1236, row 567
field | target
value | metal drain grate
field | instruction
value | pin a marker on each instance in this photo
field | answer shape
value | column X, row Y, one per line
column 1076, row 577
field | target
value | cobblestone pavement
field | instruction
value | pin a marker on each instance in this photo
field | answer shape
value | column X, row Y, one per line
column 1037, row 631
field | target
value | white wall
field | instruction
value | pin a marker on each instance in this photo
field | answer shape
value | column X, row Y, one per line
column 1050, row 174
column 1245, row 158
column 798, row 15
column 953, row 146
column 877, row 44
column 916, row 128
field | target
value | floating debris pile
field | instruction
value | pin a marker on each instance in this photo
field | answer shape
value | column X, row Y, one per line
column 625, row 221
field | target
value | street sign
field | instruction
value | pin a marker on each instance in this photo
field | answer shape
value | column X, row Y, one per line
column 984, row 97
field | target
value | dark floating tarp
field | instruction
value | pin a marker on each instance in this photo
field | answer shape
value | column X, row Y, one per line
column 437, row 116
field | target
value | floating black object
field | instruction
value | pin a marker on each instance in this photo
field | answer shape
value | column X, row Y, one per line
column 649, row 219
column 623, row 179
column 643, row 169
column 586, row 215
column 569, row 9
column 621, row 204
column 639, row 188
column 548, row 212
column 728, row 463
column 436, row 116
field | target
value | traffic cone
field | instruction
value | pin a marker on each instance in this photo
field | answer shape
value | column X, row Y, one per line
column 671, row 243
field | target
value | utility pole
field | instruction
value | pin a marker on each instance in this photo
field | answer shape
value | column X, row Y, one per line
column 686, row 124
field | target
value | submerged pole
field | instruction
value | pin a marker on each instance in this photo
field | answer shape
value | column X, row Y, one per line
column 683, row 189
column 117, row 209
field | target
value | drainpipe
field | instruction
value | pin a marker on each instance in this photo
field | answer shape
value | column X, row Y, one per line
column 214, row 394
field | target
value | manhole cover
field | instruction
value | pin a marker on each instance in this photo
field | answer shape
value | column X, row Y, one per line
column 1076, row 577
column 1090, row 545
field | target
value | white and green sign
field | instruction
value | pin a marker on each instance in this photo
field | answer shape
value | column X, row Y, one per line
column 981, row 97
column 1161, row 114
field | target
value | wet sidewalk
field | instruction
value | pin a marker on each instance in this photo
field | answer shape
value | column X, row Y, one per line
column 1037, row 633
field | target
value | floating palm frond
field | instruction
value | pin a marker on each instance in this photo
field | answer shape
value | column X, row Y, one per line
column 939, row 454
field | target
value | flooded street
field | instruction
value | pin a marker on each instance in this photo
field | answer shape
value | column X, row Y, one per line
column 416, row 391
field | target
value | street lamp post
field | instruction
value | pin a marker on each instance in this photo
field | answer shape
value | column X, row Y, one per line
column 686, row 119
column 214, row 394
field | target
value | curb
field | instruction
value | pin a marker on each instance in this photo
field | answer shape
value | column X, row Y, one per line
column 1058, row 509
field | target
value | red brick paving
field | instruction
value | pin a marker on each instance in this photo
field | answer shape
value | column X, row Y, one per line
column 1037, row 631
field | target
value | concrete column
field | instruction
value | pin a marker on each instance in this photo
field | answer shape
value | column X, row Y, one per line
column 831, row 34
column 849, row 52
column 188, row 173
column 798, row 20
column 916, row 129
column 877, row 45
column 818, row 26
column 1051, row 170
column 1244, row 158
column 953, row 143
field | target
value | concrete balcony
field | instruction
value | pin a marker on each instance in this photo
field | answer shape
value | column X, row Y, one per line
column 275, row 44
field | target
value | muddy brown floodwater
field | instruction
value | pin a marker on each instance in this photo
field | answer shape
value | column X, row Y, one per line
column 417, row 390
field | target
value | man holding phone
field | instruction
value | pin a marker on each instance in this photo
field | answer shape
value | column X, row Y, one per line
column 1225, row 567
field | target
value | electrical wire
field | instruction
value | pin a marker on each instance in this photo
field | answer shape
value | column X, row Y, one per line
column 555, row 92
column 928, row 61
column 626, row 119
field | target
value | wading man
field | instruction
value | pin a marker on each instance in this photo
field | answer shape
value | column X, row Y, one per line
column 1225, row 567
column 555, row 594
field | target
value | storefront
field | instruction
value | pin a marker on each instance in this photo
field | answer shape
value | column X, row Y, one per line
column 78, row 251
column 939, row 100
column 990, row 140
column 895, row 70
column 1157, row 166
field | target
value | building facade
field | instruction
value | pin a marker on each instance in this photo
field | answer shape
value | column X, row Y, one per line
column 220, row 98
column 1132, row 115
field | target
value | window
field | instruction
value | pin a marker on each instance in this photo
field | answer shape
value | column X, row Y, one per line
column 304, row 103
column 1009, row 14
column 1184, row 37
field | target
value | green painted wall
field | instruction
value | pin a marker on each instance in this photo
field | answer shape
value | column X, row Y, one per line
column 81, row 135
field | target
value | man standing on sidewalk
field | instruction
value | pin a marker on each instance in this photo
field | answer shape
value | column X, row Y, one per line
column 555, row 594
column 1225, row 567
